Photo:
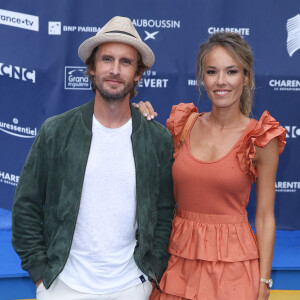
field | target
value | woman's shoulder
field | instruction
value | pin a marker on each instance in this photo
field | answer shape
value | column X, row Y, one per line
column 178, row 117
column 266, row 129
column 259, row 134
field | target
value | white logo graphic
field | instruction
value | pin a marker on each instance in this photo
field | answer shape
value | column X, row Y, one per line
column 285, row 84
column 241, row 31
column 15, row 19
column 75, row 79
column 148, row 82
column 287, row 186
column 292, row 131
column 293, row 30
column 81, row 28
column 54, row 28
column 150, row 35
column 156, row 23
column 8, row 178
column 16, row 130
column 192, row 82
column 17, row 72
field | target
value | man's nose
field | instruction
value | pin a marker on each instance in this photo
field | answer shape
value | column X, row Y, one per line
column 115, row 68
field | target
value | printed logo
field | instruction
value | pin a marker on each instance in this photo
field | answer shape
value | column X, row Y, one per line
column 16, row 72
column 285, row 85
column 292, row 131
column 192, row 82
column 15, row 19
column 147, row 80
column 287, row 186
column 293, row 31
column 150, row 35
column 16, row 130
column 241, row 31
column 81, row 28
column 8, row 178
column 151, row 23
column 54, row 28
column 75, row 79
column 156, row 23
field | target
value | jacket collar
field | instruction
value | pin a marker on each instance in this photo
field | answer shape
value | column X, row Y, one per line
column 88, row 110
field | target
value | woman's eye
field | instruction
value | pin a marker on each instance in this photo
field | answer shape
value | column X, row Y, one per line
column 210, row 72
column 126, row 61
column 232, row 72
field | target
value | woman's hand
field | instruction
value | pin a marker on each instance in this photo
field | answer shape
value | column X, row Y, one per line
column 146, row 109
column 263, row 292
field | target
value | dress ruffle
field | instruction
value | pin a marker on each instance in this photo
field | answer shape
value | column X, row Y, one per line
column 227, row 238
column 197, row 280
column 265, row 130
column 178, row 117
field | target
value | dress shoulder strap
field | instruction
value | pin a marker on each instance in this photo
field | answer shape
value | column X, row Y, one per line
column 187, row 125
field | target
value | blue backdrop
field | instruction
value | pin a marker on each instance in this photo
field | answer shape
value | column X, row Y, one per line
column 41, row 74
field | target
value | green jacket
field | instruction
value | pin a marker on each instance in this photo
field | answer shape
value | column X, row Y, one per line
column 48, row 194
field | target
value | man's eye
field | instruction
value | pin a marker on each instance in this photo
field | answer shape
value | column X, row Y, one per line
column 126, row 61
column 106, row 59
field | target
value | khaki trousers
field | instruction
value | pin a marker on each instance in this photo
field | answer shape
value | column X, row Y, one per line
column 60, row 291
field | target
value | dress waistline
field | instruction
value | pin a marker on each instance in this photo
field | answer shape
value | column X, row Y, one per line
column 213, row 219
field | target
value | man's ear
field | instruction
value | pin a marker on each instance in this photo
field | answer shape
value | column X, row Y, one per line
column 137, row 77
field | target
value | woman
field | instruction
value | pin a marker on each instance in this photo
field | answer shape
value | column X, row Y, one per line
column 214, row 253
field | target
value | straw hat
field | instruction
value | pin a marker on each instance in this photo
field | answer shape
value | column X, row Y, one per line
column 121, row 30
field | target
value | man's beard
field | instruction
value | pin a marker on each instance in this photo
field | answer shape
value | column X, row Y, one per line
column 110, row 96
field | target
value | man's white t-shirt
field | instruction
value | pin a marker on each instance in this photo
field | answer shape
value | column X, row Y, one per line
column 101, row 257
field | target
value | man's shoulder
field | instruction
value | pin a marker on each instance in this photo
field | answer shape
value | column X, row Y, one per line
column 66, row 118
column 158, row 129
column 65, row 115
column 161, row 138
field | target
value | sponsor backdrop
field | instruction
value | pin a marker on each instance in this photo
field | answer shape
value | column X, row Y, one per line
column 41, row 74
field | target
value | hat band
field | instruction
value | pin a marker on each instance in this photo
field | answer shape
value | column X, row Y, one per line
column 118, row 31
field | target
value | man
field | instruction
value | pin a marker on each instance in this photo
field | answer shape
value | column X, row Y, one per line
column 94, row 204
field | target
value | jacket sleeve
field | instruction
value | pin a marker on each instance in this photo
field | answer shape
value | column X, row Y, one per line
column 27, row 212
column 165, row 209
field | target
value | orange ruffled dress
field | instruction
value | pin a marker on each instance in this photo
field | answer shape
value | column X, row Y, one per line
column 213, row 248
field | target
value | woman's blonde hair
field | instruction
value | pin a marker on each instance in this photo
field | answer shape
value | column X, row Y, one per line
column 241, row 51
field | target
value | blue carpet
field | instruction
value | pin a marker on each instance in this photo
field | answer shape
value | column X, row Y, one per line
column 10, row 263
column 5, row 219
column 287, row 250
